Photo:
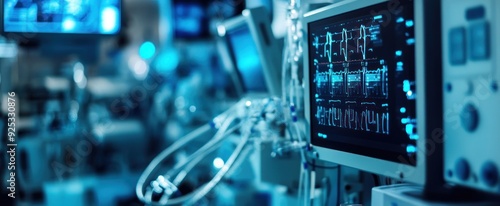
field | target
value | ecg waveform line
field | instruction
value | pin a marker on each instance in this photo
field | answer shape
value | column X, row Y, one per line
column 328, row 43
column 345, row 37
column 362, row 120
column 362, row 36
column 344, row 48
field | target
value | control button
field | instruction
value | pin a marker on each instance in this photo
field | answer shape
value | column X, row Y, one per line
column 457, row 50
column 475, row 13
column 469, row 118
column 449, row 173
column 449, row 87
column 479, row 40
column 462, row 169
column 489, row 174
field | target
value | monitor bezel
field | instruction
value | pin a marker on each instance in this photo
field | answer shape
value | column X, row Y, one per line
column 401, row 171
column 258, row 21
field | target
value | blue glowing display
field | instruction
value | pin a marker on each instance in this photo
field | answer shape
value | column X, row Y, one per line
column 247, row 59
column 62, row 16
column 190, row 20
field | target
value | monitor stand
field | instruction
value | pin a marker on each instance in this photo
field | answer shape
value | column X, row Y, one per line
column 412, row 195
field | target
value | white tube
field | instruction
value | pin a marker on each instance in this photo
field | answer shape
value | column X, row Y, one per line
column 306, row 185
column 301, row 182
column 313, row 185
column 198, row 156
column 283, row 73
column 182, row 199
column 217, row 137
column 210, row 185
column 153, row 166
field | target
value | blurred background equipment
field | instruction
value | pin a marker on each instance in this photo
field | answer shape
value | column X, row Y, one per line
column 249, row 102
column 69, row 16
column 251, row 53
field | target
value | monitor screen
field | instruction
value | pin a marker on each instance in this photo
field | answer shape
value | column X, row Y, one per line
column 190, row 19
column 246, row 59
column 62, row 16
column 362, row 82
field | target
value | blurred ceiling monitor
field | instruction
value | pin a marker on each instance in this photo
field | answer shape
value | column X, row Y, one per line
column 192, row 17
column 62, row 16
column 367, row 87
column 251, row 53
column 62, row 27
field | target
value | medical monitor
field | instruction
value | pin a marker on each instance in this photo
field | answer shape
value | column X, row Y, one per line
column 62, row 16
column 251, row 53
column 191, row 19
column 365, row 89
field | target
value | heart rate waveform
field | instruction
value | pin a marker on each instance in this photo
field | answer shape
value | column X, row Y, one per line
column 328, row 46
column 358, row 83
column 344, row 44
column 362, row 41
column 348, row 45
column 352, row 78
column 356, row 119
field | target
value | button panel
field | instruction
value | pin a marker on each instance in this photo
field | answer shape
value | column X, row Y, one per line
column 479, row 38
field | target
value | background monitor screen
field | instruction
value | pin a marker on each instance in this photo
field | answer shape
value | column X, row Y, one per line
column 362, row 77
column 62, row 16
column 190, row 19
column 246, row 59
